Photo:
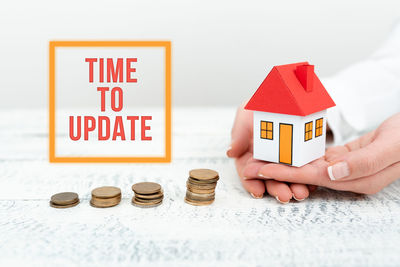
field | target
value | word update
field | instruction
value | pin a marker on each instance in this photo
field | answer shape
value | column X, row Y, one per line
column 110, row 71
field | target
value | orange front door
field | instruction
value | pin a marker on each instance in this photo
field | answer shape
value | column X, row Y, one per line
column 285, row 143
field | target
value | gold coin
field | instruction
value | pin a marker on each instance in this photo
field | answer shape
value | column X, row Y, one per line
column 203, row 174
column 155, row 200
column 194, row 198
column 151, row 196
column 197, row 181
column 52, row 204
column 144, row 204
column 198, row 203
column 106, row 192
column 105, row 202
column 64, row 198
column 199, row 197
column 102, row 205
column 201, row 191
column 146, row 188
column 201, row 186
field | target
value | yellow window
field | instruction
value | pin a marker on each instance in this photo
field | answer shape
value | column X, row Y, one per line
column 308, row 131
column 266, row 130
column 263, row 125
column 318, row 127
column 263, row 134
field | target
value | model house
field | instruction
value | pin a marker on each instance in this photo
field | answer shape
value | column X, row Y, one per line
column 290, row 115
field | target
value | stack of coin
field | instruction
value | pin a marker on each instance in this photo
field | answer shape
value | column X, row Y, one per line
column 201, row 187
column 147, row 194
column 106, row 196
column 64, row 200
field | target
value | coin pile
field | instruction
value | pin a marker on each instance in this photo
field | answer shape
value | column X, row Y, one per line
column 147, row 194
column 105, row 196
column 64, row 200
column 201, row 187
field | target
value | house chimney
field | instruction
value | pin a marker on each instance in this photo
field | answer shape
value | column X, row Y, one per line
column 305, row 75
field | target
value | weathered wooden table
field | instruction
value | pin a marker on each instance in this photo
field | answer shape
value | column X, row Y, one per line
column 330, row 228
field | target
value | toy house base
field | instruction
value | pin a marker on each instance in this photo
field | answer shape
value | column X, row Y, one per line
column 289, row 139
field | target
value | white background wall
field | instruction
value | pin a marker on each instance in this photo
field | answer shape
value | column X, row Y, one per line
column 222, row 50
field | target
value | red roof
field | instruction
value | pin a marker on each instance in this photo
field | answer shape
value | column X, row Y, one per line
column 283, row 92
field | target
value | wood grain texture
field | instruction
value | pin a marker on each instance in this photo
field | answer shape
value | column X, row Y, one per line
column 331, row 228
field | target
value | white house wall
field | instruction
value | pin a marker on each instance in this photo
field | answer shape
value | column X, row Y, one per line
column 314, row 148
column 268, row 150
column 302, row 152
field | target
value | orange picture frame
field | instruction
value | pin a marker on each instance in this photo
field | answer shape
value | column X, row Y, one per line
column 52, row 108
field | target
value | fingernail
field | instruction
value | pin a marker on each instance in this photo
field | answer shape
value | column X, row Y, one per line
column 277, row 198
column 262, row 175
column 228, row 151
column 300, row 199
column 256, row 196
column 338, row 171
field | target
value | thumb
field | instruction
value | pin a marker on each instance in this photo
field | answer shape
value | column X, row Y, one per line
column 361, row 162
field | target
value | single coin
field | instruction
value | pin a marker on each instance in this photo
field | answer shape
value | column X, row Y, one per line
column 106, row 192
column 146, row 188
column 200, row 194
column 151, row 196
column 139, row 202
column 198, row 203
column 201, row 186
column 197, row 181
column 203, row 174
column 145, row 205
column 194, row 199
column 199, row 197
column 108, row 204
column 105, row 202
column 191, row 194
column 214, row 184
column 148, row 200
column 201, row 191
column 52, row 204
column 64, row 198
